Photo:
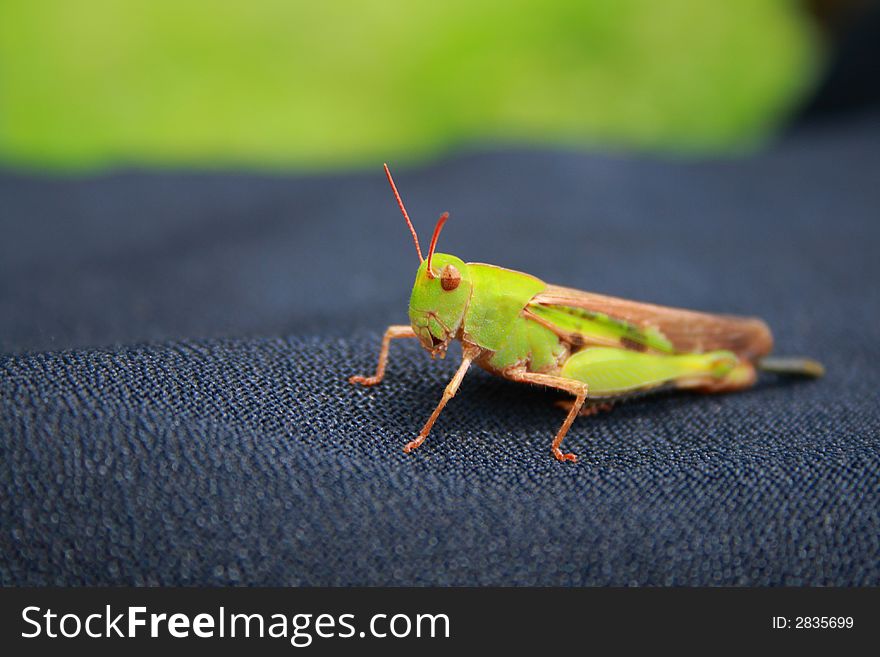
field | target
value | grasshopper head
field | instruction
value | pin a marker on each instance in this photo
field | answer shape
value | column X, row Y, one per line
column 439, row 300
column 441, row 292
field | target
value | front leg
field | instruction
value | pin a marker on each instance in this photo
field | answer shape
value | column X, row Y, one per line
column 467, row 357
column 577, row 388
column 391, row 333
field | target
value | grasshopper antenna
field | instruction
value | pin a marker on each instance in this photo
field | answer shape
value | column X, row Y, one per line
column 406, row 216
column 437, row 229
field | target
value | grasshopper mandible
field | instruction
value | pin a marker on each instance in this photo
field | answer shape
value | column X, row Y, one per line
column 597, row 348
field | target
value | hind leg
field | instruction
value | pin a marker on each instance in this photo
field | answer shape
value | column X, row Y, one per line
column 587, row 410
column 741, row 375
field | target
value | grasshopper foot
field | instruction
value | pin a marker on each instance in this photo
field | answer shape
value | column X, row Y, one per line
column 562, row 456
column 365, row 380
column 592, row 409
column 412, row 444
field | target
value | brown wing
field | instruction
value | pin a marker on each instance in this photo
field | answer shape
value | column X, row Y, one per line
column 687, row 330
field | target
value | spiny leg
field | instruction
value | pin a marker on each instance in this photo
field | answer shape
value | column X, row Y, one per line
column 467, row 358
column 577, row 388
column 391, row 333
column 587, row 410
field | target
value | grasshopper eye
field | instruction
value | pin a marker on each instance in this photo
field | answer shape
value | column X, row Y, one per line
column 449, row 278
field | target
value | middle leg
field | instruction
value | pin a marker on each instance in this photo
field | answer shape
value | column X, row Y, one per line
column 579, row 389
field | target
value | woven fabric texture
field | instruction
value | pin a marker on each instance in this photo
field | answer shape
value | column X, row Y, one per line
column 175, row 347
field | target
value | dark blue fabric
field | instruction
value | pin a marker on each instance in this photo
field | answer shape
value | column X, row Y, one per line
column 174, row 406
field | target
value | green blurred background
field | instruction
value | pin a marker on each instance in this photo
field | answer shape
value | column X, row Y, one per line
column 271, row 83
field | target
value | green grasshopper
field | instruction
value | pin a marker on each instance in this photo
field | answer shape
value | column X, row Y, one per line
column 599, row 349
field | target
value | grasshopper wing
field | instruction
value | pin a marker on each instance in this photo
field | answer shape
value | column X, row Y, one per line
column 582, row 318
